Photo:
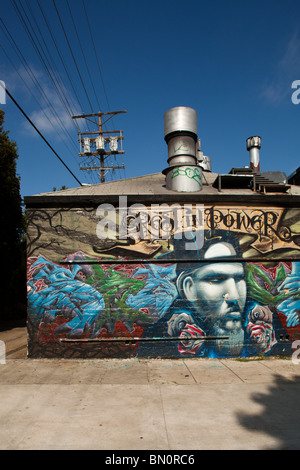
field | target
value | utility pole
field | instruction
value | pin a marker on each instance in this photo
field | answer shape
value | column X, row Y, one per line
column 99, row 145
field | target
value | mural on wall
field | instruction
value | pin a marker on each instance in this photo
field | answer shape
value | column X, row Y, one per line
column 80, row 304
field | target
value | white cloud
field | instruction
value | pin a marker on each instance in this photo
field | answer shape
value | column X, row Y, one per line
column 278, row 90
column 50, row 110
column 290, row 61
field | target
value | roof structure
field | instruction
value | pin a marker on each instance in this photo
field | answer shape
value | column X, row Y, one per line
column 152, row 187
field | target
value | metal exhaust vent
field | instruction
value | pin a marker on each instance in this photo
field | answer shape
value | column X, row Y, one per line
column 253, row 146
column 180, row 133
column 203, row 160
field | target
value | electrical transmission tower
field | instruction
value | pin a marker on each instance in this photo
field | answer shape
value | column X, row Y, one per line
column 97, row 146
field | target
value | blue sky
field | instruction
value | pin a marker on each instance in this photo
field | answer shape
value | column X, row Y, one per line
column 233, row 61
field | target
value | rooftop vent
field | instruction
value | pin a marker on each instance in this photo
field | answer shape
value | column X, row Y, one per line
column 253, row 146
column 203, row 160
column 180, row 133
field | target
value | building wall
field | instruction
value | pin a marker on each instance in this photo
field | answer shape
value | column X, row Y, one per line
column 98, row 276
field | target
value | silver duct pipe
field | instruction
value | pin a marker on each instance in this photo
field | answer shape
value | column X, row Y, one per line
column 180, row 133
column 253, row 146
column 205, row 163
column 203, row 160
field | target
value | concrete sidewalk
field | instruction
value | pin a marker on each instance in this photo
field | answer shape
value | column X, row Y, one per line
column 132, row 404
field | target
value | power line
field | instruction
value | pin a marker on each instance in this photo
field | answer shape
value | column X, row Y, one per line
column 97, row 61
column 83, row 54
column 61, row 90
column 30, row 91
column 26, row 83
column 34, row 79
column 39, row 49
column 32, row 76
column 69, row 45
column 59, row 54
column 96, row 55
column 32, row 25
column 40, row 134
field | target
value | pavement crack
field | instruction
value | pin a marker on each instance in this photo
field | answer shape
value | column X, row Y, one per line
column 232, row 371
column 164, row 417
column 190, row 372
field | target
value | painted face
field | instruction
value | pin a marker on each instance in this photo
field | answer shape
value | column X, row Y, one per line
column 218, row 293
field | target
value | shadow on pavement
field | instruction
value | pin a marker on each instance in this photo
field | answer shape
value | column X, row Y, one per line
column 280, row 413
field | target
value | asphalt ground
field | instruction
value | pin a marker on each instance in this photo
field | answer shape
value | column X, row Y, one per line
column 153, row 404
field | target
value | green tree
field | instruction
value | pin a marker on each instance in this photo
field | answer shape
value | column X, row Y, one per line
column 12, row 232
